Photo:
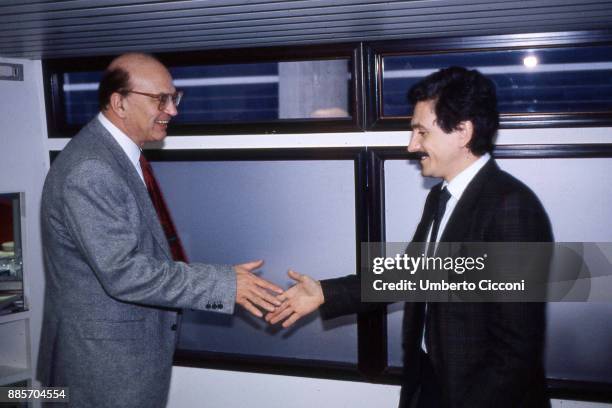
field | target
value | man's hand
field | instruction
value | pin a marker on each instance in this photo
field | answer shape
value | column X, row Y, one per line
column 300, row 300
column 251, row 289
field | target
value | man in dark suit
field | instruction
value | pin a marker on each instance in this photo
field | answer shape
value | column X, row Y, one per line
column 457, row 354
column 112, row 285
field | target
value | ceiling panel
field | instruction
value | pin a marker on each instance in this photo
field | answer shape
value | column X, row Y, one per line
column 53, row 29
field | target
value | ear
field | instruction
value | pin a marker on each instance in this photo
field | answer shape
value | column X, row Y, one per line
column 466, row 131
column 117, row 104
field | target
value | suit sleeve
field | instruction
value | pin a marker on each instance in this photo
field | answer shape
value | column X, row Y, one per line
column 343, row 295
column 515, row 355
column 105, row 224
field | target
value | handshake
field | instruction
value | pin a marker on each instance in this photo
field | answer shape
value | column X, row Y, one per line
column 287, row 306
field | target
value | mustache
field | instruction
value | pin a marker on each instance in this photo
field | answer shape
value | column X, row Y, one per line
column 419, row 155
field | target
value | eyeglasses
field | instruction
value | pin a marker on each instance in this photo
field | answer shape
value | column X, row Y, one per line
column 163, row 98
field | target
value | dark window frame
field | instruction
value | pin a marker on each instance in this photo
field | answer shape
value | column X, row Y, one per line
column 57, row 127
column 376, row 51
column 272, row 364
column 365, row 100
column 557, row 388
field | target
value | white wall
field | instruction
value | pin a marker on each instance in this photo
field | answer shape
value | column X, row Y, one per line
column 193, row 387
column 506, row 136
column 23, row 165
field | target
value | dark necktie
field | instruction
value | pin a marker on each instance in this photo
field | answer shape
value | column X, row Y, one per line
column 178, row 254
column 442, row 200
column 440, row 209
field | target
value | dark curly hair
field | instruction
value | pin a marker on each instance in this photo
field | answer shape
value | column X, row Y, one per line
column 460, row 95
column 113, row 80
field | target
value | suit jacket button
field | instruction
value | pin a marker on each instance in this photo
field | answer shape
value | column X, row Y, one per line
column 173, row 327
column 214, row 306
column 220, row 306
column 208, row 305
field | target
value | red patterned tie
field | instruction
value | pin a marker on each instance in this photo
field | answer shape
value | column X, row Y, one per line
column 178, row 254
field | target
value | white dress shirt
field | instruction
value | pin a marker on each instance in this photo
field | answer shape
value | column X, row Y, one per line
column 456, row 187
column 128, row 146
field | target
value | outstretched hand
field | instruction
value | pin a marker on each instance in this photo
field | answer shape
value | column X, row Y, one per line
column 252, row 291
column 300, row 300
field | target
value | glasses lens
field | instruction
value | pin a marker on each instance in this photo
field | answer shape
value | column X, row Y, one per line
column 176, row 98
column 165, row 98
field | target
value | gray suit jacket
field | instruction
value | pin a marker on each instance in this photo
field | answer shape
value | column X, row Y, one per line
column 111, row 286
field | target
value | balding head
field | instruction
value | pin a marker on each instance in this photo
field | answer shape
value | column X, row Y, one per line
column 132, row 60
column 133, row 94
column 118, row 74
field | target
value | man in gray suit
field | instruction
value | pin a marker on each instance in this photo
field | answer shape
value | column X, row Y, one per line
column 112, row 287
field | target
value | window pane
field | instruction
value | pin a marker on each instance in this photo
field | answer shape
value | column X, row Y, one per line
column 223, row 93
column 300, row 214
column 564, row 80
column 237, row 92
column 578, row 334
column 80, row 96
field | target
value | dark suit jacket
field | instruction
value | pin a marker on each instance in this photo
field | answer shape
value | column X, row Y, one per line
column 483, row 354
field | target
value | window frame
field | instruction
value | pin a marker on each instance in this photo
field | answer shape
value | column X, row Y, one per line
column 53, row 70
column 377, row 156
column 365, row 101
column 376, row 51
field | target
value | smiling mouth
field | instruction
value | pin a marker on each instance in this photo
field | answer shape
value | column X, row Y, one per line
column 421, row 155
column 162, row 122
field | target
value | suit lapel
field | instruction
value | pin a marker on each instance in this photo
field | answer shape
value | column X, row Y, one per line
column 457, row 228
column 136, row 184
